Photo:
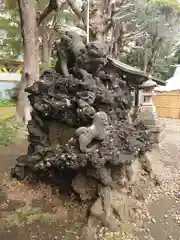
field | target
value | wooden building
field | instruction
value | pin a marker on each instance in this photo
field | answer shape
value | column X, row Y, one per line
column 167, row 98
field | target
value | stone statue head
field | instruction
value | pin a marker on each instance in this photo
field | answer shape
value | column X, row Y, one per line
column 101, row 118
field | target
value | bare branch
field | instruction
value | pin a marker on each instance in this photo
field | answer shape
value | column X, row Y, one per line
column 107, row 27
column 76, row 10
column 54, row 22
column 120, row 3
column 124, row 18
column 81, row 26
column 44, row 14
column 134, row 36
column 123, row 8
column 54, row 5
column 53, row 32
column 52, row 39
column 129, row 35
column 115, row 15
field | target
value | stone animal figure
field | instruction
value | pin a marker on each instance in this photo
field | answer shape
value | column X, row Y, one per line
column 85, row 111
column 90, row 60
column 67, row 51
column 96, row 131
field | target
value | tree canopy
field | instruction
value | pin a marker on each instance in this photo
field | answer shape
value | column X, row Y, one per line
column 153, row 51
column 11, row 43
column 142, row 33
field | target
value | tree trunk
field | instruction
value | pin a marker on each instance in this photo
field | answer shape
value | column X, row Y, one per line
column 45, row 54
column 29, row 31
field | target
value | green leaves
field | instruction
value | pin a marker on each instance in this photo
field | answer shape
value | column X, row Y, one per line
column 11, row 43
column 167, row 6
column 10, row 4
column 152, row 51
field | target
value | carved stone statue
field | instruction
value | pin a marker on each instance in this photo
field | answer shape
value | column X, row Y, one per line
column 67, row 51
column 85, row 111
column 90, row 60
column 79, row 134
column 96, row 131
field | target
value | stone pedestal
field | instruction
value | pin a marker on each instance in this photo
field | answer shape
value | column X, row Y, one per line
column 148, row 115
column 157, row 132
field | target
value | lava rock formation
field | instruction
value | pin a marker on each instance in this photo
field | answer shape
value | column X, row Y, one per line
column 80, row 121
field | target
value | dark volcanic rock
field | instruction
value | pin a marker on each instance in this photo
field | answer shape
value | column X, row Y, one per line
column 62, row 104
column 80, row 136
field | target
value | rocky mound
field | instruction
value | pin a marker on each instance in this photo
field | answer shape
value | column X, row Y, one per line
column 79, row 124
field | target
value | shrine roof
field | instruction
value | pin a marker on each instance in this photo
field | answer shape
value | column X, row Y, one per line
column 136, row 75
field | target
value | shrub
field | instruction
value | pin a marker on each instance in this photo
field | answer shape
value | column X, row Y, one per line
column 12, row 93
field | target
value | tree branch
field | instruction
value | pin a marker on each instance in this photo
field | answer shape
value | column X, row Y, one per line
column 123, row 8
column 54, row 5
column 53, row 32
column 76, row 10
column 134, row 36
column 124, row 18
column 131, row 34
column 54, row 21
column 44, row 14
column 81, row 26
column 107, row 27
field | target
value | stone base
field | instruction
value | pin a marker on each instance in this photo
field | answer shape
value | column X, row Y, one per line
column 148, row 115
column 157, row 132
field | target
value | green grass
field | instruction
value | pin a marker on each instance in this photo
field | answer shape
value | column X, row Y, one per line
column 8, row 127
column 6, row 103
column 8, row 132
column 25, row 215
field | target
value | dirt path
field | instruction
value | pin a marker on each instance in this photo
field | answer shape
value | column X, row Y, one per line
column 34, row 211
column 37, row 211
column 6, row 112
column 8, row 155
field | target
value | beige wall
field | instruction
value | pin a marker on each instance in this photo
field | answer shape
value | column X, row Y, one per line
column 167, row 104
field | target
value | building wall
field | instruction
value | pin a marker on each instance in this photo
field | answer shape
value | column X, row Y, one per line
column 167, row 104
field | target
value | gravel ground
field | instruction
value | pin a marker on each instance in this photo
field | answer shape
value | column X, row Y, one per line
column 160, row 209
column 162, row 203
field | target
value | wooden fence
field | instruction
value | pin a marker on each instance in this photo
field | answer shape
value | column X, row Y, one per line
column 168, row 104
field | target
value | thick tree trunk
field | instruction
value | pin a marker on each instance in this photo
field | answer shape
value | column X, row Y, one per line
column 27, row 10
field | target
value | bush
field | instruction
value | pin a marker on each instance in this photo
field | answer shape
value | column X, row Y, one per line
column 7, row 103
column 12, row 93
